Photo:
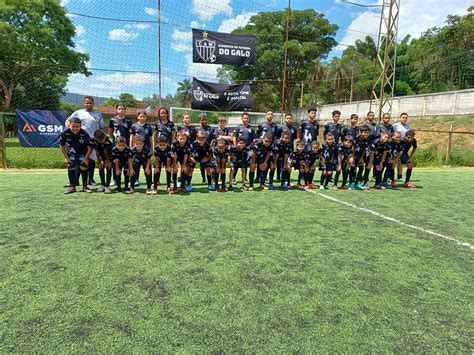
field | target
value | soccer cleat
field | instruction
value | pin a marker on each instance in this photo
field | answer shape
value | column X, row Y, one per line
column 179, row 184
column 92, row 182
column 137, row 183
column 157, row 184
column 231, row 188
column 189, row 188
column 219, row 189
column 183, row 189
column 211, row 188
column 359, row 186
column 409, row 185
column 101, row 188
column 352, row 186
column 70, row 190
column 366, row 187
column 334, row 188
column 129, row 191
column 149, row 191
column 250, row 188
column 112, row 183
column 107, row 190
column 385, row 184
column 344, row 187
column 321, row 187
column 263, row 187
column 270, row 187
column 285, row 187
column 393, row 184
column 86, row 189
column 311, row 186
column 172, row 191
column 326, row 187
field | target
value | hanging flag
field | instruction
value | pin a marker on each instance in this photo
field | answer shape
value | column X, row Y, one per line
column 221, row 97
column 223, row 48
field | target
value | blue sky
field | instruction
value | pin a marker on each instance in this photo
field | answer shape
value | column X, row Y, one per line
column 124, row 54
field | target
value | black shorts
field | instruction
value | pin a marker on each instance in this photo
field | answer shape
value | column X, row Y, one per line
column 329, row 166
column 404, row 159
column 76, row 161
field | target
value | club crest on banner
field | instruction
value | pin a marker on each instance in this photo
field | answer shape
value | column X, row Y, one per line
column 206, row 48
column 198, row 94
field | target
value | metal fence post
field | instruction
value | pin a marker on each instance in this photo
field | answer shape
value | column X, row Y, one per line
column 450, row 139
column 3, row 151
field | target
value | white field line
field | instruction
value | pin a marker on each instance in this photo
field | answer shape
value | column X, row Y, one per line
column 391, row 219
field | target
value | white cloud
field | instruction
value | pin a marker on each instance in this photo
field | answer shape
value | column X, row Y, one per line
column 181, row 47
column 232, row 23
column 366, row 22
column 207, row 9
column 182, row 35
column 80, row 46
column 111, row 85
column 196, row 24
column 63, row 3
column 119, row 34
column 417, row 16
column 151, row 11
column 80, row 30
column 201, row 70
column 138, row 26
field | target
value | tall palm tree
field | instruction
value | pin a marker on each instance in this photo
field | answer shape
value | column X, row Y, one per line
column 339, row 72
column 185, row 91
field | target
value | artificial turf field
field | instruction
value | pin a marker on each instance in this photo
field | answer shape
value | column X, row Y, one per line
column 270, row 271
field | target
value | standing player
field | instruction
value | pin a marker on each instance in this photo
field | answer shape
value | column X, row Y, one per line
column 334, row 127
column 286, row 127
column 209, row 132
column 267, row 127
column 103, row 148
column 143, row 129
column 76, row 149
column 91, row 121
column 187, row 127
column 141, row 156
column 221, row 132
column 371, row 125
column 122, row 156
column 309, row 129
column 385, row 126
column 246, row 132
column 352, row 130
column 328, row 160
column 346, row 162
column 164, row 127
column 120, row 125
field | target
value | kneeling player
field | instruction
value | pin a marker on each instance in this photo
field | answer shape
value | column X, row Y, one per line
column 263, row 160
column 103, row 147
column 221, row 153
column 328, row 162
column 122, row 156
column 377, row 153
column 141, row 158
column 201, row 153
column 182, row 150
column 76, row 148
column 407, row 157
column 297, row 161
column 240, row 156
column 282, row 149
column 346, row 162
column 311, row 156
column 164, row 157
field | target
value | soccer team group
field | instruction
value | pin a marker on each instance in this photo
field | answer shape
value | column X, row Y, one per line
column 352, row 152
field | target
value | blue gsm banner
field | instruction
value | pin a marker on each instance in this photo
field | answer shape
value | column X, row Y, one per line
column 40, row 128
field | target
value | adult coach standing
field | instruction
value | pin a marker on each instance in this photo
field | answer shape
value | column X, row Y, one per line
column 91, row 121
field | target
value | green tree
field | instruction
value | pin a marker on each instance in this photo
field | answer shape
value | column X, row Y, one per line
column 128, row 100
column 37, row 53
column 110, row 102
column 311, row 37
column 185, row 92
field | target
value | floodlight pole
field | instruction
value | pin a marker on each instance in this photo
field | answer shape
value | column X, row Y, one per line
column 383, row 88
column 159, row 52
column 282, row 105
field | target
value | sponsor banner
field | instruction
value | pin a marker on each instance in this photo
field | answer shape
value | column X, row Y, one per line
column 40, row 128
column 221, row 97
column 223, row 48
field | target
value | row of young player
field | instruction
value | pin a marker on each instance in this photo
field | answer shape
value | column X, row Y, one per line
column 352, row 158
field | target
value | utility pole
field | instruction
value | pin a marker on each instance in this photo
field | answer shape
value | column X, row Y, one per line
column 159, row 52
column 352, row 78
column 282, row 106
column 383, row 88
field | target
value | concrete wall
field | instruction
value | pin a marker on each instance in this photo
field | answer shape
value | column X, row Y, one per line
column 444, row 103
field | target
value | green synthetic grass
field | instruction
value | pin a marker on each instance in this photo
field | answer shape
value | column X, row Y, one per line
column 268, row 271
